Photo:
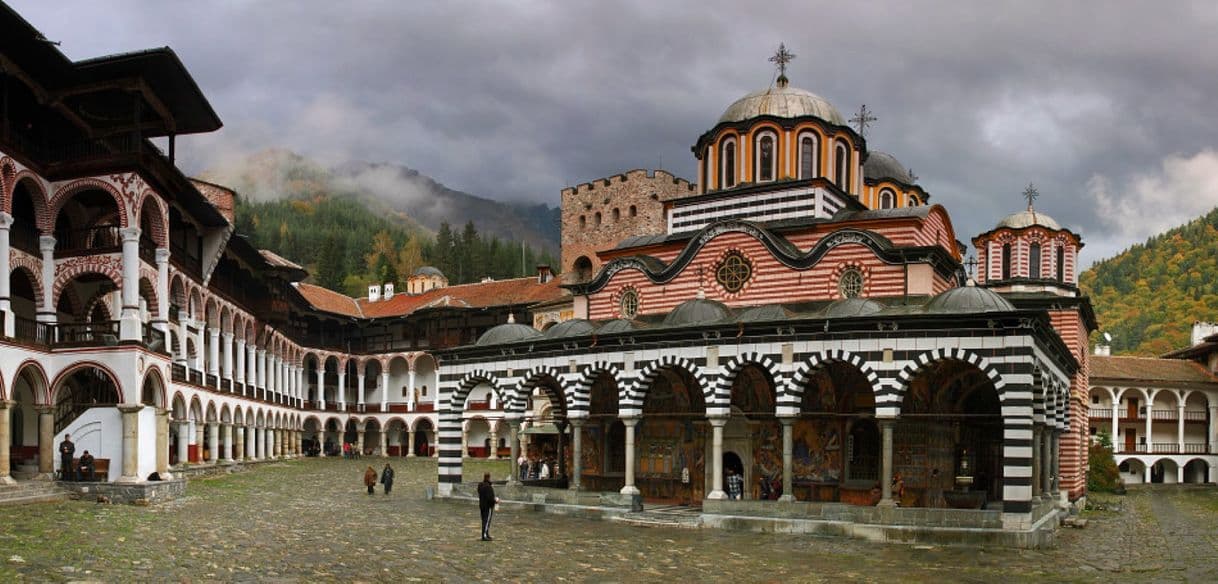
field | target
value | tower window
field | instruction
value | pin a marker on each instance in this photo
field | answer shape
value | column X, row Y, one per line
column 841, row 168
column 807, row 157
column 583, row 222
column 888, row 199
column 1061, row 263
column 850, row 283
column 733, row 272
column 1006, row 261
column 596, row 219
column 633, row 211
column 1034, row 261
column 616, row 214
column 765, row 158
column 629, row 304
column 727, row 165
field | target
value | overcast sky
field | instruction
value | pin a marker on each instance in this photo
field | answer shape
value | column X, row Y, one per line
column 1108, row 108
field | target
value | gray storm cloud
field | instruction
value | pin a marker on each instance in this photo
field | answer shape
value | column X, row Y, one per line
column 517, row 100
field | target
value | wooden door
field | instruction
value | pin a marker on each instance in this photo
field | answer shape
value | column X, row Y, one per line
column 1133, row 409
column 1131, row 437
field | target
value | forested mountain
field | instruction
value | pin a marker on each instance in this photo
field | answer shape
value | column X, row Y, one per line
column 1148, row 296
column 336, row 225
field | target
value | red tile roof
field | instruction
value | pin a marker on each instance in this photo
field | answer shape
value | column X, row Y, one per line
column 515, row 291
column 1150, row 369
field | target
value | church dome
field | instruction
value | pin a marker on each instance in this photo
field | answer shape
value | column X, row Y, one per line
column 571, row 328
column 619, row 325
column 1028, row 218
column 968, row 300
column 697, row 311
column 882, row 165
column 848, row 307
column 508, row 333
column 782, row 101
column 428, row 271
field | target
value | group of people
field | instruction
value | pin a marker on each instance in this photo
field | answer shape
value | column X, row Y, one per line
column 535, row 469
column 386, row 479
column 85, row 467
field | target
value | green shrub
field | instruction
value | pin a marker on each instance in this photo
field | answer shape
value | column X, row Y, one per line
column 1103, row 476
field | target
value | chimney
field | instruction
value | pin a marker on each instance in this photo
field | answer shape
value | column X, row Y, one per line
column 544, row 274
column 388, row 291
column 1103, row 350
column 374, row 293
column 486, row 279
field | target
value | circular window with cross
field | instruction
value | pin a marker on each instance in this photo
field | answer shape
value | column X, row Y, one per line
column 850, row 283
column 629, row 304
column 733, row 272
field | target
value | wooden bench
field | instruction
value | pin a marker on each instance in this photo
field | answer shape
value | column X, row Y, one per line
column 101, row 468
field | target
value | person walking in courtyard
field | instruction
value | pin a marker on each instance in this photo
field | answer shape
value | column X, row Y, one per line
column 387, row 478
column 370, row 479
column 486, row 505
column 735, row 484
column 66, row 450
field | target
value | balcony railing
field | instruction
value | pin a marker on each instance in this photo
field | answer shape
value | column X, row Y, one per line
column 178, row 372
column 154, row 339
column 33, row 332
column 1196, row 448
column 1195, row 416
column 85, row 334
column 1163, row 414
column 24, row 238
column 92, row 240
column 1100, row 413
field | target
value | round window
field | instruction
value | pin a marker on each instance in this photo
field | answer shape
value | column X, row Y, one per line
column 850, row 283
column 629, row 304
column 734, row 272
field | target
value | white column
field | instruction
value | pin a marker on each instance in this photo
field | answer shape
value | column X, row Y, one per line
column 261, row 368
column 228, row 443
column 46, row 312
column 1116, row 426
column 629, row 488
column 1180, row 430
column 213, row 441
column 251, row 443
column 131, row 443
column 180, row 358
column 201, row 346
column 131, row 328
column 1150, row 437
column 886, row 428
column 260, row 435
column 226, row 362
column 410, row 389
column 1213, row 430
column 213, row 353
column 342, row 389
column 183, row 442
column 384, row 390
column 788, row 490
column 321, row 387
column 6, row 222
column 577, row 451
column 717, row 424
column 359, row 380
column 240, row 354
column 162, row 293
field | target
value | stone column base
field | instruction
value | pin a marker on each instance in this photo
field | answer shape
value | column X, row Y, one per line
column 7, row 480
column 632, row 490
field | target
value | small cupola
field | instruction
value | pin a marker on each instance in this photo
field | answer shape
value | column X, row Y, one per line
column 1028, row 251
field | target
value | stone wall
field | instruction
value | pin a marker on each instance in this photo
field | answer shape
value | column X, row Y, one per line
column 611, row 199
column 149, row 493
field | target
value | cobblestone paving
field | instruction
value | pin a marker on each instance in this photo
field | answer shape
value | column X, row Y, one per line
column 310, row 521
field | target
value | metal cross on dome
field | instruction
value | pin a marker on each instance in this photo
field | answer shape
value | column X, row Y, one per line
column 781, row 58
column 1031, row 194
column 863, row 119
column 971, row 266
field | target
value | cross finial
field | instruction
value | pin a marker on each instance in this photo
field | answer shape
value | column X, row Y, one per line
column 913, row 178
column 781, row 58
column 1031, row 194
column 971, row 265
column 863, row 119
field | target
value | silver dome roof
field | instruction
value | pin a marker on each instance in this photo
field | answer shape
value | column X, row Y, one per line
column 881, row 165
column 967, row 300
column 782, row 101
column 508, row 333
column 1028, row 218
column 428, row 271
column 697, row 311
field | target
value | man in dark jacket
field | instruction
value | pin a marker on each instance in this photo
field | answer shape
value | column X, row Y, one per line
column 66, row 451
column 486, row 505
column 387, row 478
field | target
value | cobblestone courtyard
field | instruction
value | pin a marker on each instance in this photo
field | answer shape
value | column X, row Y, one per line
column 311, row 521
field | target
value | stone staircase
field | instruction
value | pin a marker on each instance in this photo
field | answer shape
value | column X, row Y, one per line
column 26, row 492
column 682, row 517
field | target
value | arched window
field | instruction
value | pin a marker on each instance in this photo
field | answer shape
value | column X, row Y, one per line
column 616, row 214
column 888, row 199
column 727, row 164
column 765, row 158
column 841, row 167
column 1006, row 261
column 808, row 157
column 1061, row 263
column 1034, row 261
column 583, row 222
column 633, row 211
column 596, row 219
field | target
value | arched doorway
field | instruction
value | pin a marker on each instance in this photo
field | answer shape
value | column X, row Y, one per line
column 423, row 431
column 671, row 440
column 835, row 455
column 29, row 387
column 753, row 433
column 603, row 443
column 86, row 403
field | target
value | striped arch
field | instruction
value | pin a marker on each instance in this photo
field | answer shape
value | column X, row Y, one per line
column 920, row 362
column 38, row 195
column 581, row 393
column 65, row 194
column 791, row 395
column 7, row 174
column 637, row 392
column 518, row 398
column 468, row 383
column 1039, row 391
column 728, row 373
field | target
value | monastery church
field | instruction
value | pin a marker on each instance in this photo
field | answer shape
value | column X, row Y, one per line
column 800, row 315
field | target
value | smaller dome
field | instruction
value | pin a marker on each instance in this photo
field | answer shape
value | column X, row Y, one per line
column 968, row 300
column 848, row 307
column 428, row 271
column 619, row 325
column 508, row 333
column 769, row 312
column 697, row 311
column 575, row 327
column 1027, row 219
column 882, row 165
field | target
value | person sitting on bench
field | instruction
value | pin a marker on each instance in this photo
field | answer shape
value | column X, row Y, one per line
column 86, row 467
